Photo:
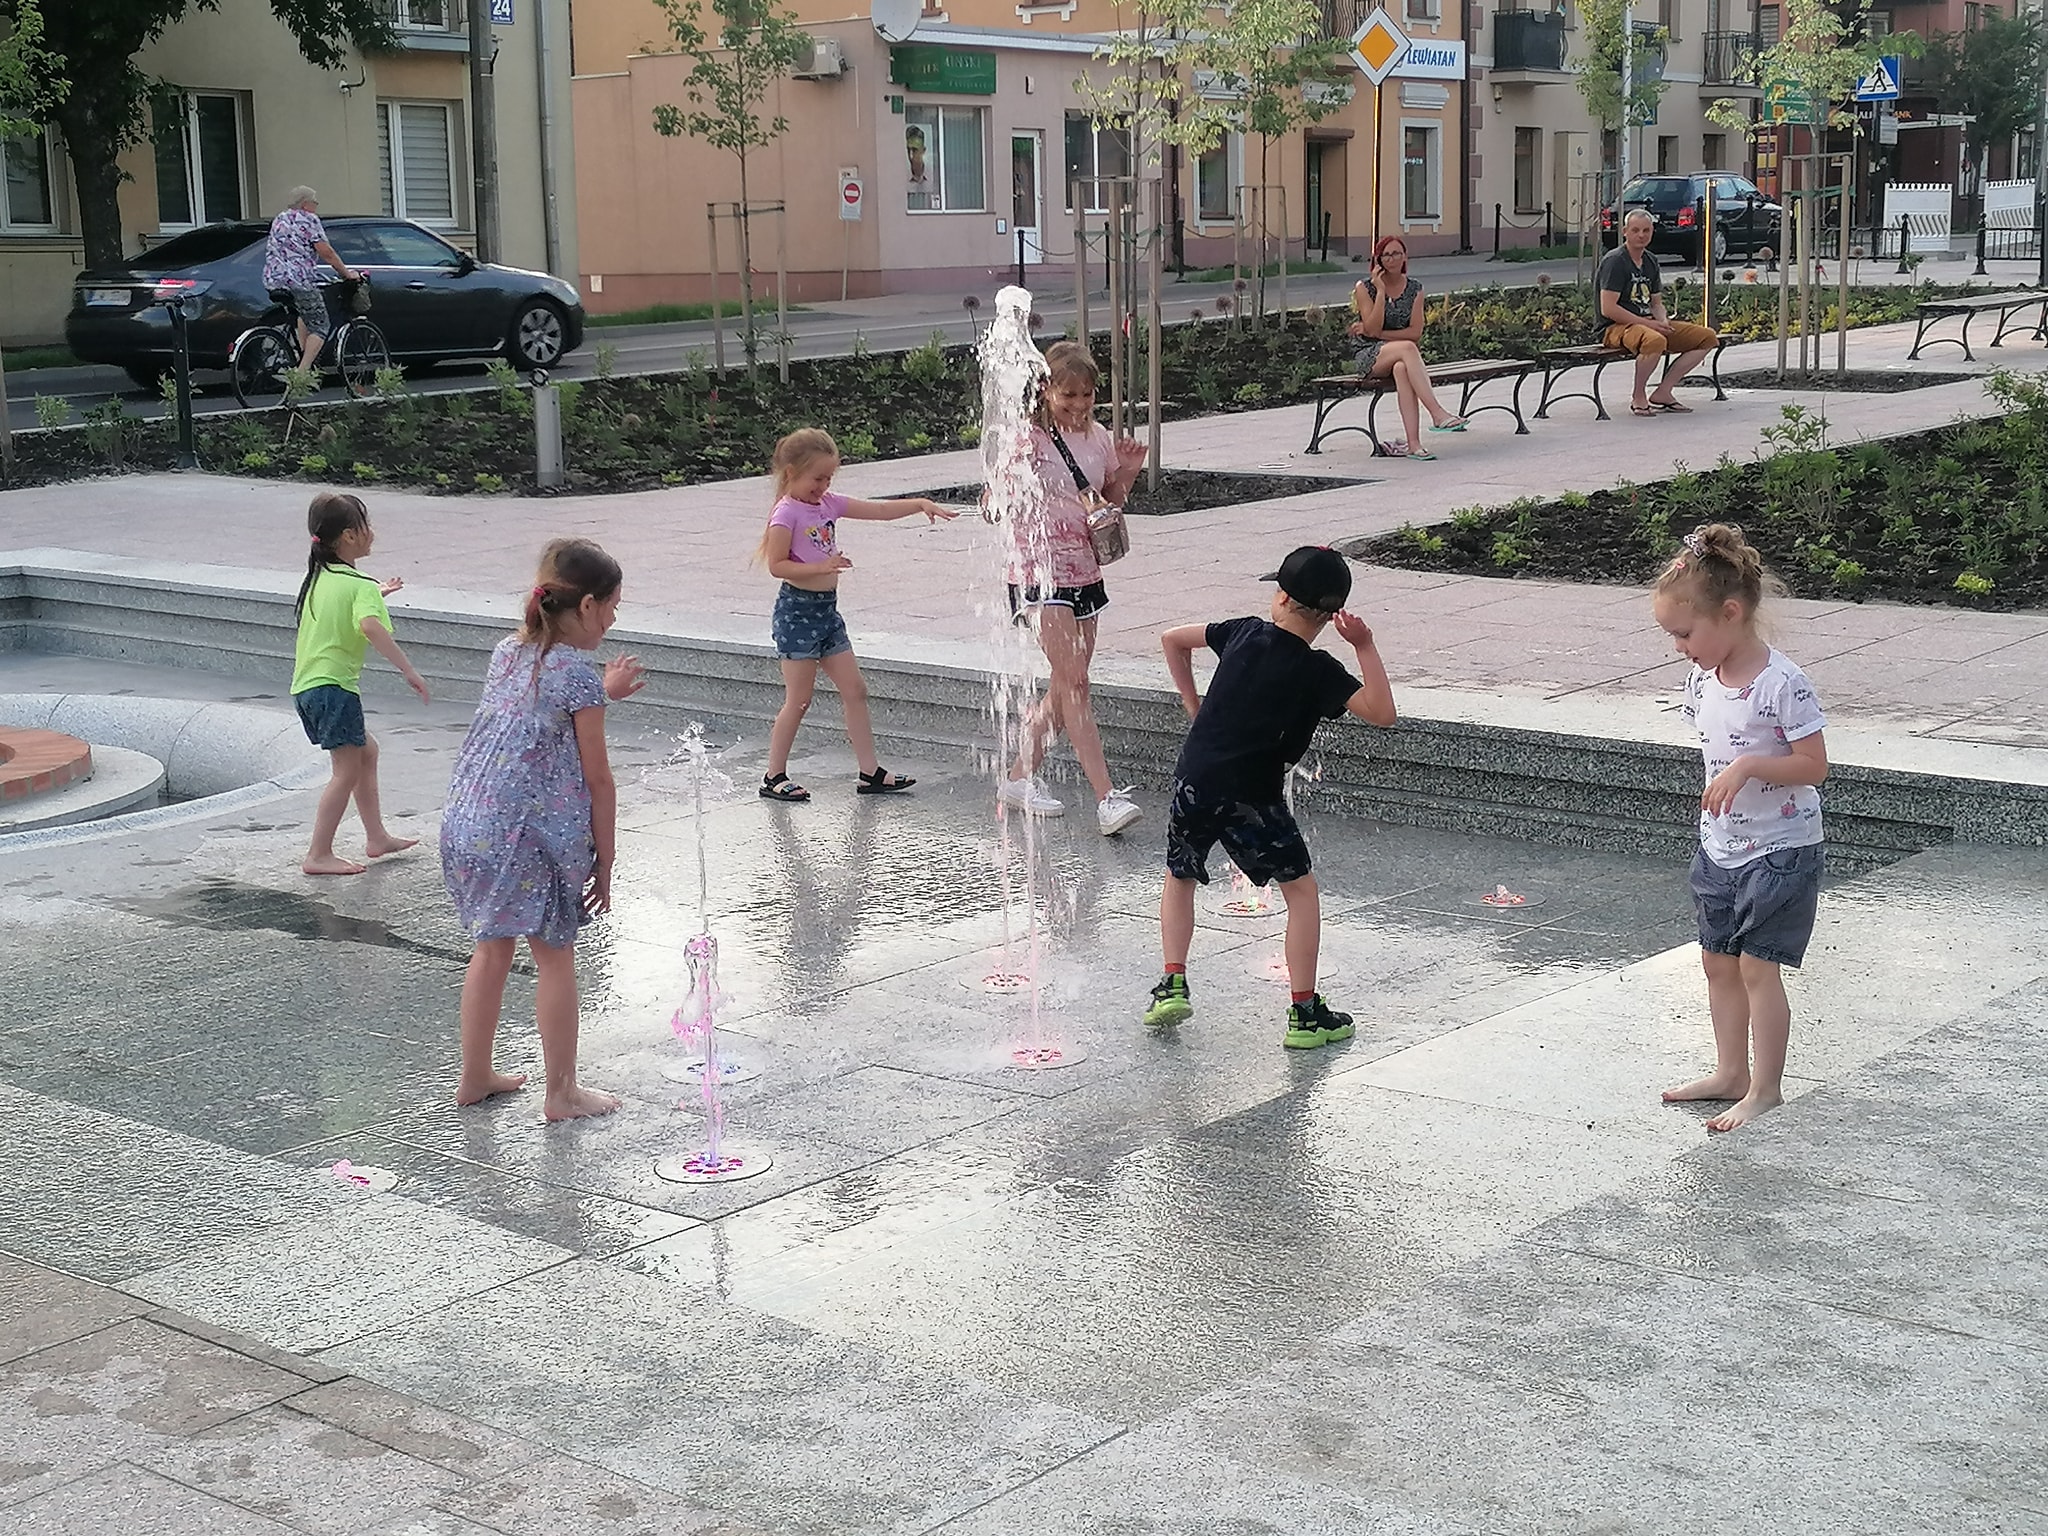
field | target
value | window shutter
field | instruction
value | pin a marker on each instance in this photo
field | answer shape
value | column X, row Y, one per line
column 423, row 144
column 384, row 196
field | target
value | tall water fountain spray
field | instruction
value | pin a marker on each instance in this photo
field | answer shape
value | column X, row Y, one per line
column 1013, row 373
column 695, row 1023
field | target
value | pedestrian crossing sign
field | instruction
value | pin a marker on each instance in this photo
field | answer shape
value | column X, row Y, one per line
column 1882, row 83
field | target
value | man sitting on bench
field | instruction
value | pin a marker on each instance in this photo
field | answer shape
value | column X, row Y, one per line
column 1631, row 288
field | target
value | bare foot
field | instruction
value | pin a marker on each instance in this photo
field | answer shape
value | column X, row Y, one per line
column 333, row 864
column 1752, row 1105
column 578, row 1104
column 1715, row 1086
column 467, row 1092
column 378, row 847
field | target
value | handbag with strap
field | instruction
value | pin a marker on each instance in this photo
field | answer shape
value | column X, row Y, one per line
column 1108, row 536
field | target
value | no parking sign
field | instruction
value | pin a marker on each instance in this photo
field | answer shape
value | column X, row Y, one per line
column 850, row 194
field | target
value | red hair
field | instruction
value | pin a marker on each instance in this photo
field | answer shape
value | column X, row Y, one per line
column 1379, row 247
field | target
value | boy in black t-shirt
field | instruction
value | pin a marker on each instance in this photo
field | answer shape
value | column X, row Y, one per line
column 1271, row 689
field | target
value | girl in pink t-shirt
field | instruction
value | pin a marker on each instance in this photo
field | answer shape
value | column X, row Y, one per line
column 1054, row 579
column 801, row 547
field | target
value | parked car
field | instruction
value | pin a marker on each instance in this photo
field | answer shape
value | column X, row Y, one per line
column 1745, row 221
column 431, row 300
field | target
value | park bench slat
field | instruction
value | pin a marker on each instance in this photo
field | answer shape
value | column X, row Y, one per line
column 1969, row 306
column 1559, row 361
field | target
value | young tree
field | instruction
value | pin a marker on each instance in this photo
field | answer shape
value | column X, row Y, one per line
column 1992, row 75
column 757, row 44
column 106, row 108
column 1822, row 54
column 1620, row 76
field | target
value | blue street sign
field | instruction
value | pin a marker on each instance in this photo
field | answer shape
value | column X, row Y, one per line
column 1882, row 83
column 501, row 13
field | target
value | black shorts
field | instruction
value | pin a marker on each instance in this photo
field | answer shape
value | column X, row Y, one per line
column 1764, row 909
column 1262, row 840
column 332, row 716
column 1086, row 601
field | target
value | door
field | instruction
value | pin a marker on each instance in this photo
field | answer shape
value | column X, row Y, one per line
column 1326, row 201
column 424, row 302
column 1027, row 193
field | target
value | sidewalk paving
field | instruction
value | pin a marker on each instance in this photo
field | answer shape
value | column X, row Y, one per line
column 1939, row 673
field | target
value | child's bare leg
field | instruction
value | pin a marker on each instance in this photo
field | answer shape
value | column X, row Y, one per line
column 1728, row 1003
column 483, row 999
column 1041, row 724
column 1770, row 1030
column 345, row 770
column 853, row 705
column 555, row 1005
column 1304, row 930
column 1177, row 920
column 799, row 683
column 377, row 840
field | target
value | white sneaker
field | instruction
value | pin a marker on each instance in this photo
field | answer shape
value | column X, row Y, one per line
column 1029, row 796
column 1115, row 811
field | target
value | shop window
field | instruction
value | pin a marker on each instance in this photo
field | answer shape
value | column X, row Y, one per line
column 946, row 155
column 1419, row 162
column 1095, row 150
column 416, row 160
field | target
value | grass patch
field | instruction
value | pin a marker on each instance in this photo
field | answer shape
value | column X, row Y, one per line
column 1272, row 269
column 672, row 314
column 22, row 359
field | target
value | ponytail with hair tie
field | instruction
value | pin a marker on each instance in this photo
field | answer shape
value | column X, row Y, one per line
column 570, row 570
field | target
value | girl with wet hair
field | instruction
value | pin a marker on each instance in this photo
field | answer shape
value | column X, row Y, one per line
column 530, row 828
column 1056, row 583
column 340, row 614
column 800, row 546
column 1756, row 878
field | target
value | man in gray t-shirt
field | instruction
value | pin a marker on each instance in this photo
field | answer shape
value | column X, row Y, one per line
column 1631, row 289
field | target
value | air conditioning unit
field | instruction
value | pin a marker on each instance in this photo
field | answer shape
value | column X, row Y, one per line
column 825, row 59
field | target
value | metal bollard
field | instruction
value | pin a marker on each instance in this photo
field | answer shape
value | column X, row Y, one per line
column 1980, row 246
column 547, row 436
column 1020, row 256
column 181, row 371
column 1496, row 231
column 1905, row 242
column 1549, row 240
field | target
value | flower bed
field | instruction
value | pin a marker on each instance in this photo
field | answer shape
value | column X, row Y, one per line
column 1955, row 515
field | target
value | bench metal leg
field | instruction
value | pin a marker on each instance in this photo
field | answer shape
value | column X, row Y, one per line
column 1968, row 356
column 1372, row 424
column 1521, row 426
column 1919, row 331
column 1599, row 406
column 1719, row 392
column 1324, row 405
column 1468, row 410
column 1553, row 396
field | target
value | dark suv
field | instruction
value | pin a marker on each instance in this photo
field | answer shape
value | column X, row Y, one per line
column 430, row 299
column 1744, row 221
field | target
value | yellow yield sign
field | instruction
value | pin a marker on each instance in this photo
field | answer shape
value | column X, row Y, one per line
column 1378, row 47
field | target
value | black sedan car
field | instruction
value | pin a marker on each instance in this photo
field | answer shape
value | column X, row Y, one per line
column 429, row 299
column 1745, row 221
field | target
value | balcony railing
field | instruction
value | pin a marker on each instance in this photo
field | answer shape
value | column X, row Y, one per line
column 1342, row 18
column 1528, row 40
column 424, row 15
column 1731, row 58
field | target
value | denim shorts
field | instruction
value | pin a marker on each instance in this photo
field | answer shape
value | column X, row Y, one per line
column 332, row 716
column 1763, row 909
column 806, row 625
column 1262, row 840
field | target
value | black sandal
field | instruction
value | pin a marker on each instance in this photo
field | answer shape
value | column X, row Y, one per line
column 777, row 786
column 880, row 782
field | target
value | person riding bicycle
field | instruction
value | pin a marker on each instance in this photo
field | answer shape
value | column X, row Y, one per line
column 296, row 239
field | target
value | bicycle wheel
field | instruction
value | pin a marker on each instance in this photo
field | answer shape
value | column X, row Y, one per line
column 257, row 363
column 360, row 353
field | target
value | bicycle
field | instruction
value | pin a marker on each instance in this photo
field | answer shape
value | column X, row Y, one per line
column 265, row 353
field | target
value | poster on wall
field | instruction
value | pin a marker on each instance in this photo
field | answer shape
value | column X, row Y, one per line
column 920, row 185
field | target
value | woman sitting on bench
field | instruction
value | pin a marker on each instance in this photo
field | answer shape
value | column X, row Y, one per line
column 1389, row 323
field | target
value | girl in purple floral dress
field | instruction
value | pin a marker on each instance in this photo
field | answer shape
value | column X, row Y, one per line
column 528, row 834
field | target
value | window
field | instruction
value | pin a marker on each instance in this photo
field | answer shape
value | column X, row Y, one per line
column 1667, row 153
column 1095, row 150
column 1214, row 180
column 1424, row 10
column 416, row 160
column 1878, row 24
column 399, row 245
column 198, row 159
column 1667, row 17
column 1610, row 150
column 946, row 159
column 425, row 15
column 1714, row 152
column 1768, row 18
column 1418, row 172
column 29, row 204
column 1528, row 168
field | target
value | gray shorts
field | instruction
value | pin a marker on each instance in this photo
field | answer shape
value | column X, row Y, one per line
column 1764, row 909
column 311, row 303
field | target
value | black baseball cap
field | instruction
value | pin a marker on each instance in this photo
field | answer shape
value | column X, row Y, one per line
column 1316, row 576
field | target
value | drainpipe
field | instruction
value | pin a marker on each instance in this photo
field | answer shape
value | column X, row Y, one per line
column 551, row 225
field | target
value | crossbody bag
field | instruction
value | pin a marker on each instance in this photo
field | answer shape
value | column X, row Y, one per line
column 1108, row 535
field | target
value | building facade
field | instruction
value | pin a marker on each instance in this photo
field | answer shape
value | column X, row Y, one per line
column 946, row 159
column 249, row 119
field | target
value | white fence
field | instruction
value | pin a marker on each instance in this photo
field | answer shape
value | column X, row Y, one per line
column 1924, row 207
column 2009, row 204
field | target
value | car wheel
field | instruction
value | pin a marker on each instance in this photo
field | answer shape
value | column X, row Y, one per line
column 145, row 376
column 538, row 332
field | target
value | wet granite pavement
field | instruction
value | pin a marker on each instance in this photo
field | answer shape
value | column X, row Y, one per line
column 1462, row 1274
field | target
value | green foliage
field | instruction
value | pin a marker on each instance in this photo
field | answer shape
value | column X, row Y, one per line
column 363, row 471
column 1970, row 584
column 52, row 411
column 917, row 442
column 1250, row 394
column 490, row 484
column 856, row 445
column 512, row 396
column 1990, row 75
column 256, row 459
column 1605, row 44
column 299, row 383
column 1823, row 51
column 313, row 464
column 389, row 383
column 927, row 364
column 970, row 434
column 1422, row 539
column 605, row 361
column 32, row 79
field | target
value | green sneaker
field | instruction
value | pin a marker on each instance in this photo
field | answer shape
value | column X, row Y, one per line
column 1170, row 1001
column 1314, row 1023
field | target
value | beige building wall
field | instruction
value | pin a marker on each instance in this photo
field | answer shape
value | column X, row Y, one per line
column 299, row 124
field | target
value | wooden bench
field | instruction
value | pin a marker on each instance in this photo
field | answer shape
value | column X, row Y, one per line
column 2004, row 305
column 1556, row 362
column 1467, row 377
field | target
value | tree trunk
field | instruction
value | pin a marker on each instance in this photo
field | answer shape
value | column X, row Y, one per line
column 746, row 268
column 96, row 174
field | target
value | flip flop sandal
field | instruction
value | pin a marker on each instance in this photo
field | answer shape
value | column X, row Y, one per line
column 1455, row 424
column 1642, row 410
column 779, row 787
column 880, row 782
column 1423, row 454
column 1673, row 406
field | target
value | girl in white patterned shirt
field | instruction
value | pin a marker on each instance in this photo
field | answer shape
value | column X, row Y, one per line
column 1756, row 878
